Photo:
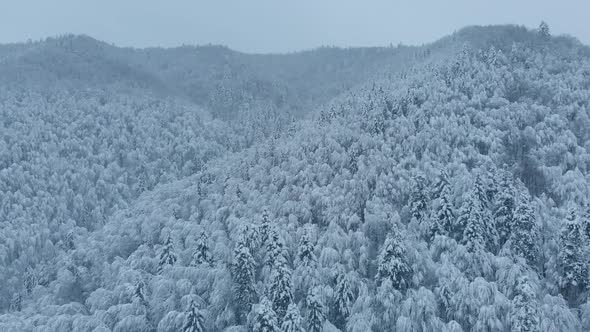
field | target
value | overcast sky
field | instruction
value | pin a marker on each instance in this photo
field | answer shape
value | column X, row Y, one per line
column 279, row 25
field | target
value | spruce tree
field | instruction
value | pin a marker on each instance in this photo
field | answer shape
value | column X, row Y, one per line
column 586, row 224
column 202, row 255
column 194, row 321
column 264, row 226
column 524, row 316
column 275, row 249
column 167, row 255
column 418, row 200
column 573, row 266
column 16, row 303
column 505, row 206
column 523, row 239
column 306, row 252
column 344, row 298
column 472, row 222
column 280, row 290
column 243, row 276
column 443, row 221
column 392, row 263
column 265, row 319
column 139, row 292
column 30, row 280
column 441, row 183
column 292, row 320
column 316, row 315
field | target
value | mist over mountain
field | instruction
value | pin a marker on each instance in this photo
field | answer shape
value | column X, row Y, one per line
column 442, row 187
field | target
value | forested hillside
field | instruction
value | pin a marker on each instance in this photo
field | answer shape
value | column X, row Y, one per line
column 434, row 188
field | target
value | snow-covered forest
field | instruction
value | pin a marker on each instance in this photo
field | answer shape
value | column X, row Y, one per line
column 443, row 187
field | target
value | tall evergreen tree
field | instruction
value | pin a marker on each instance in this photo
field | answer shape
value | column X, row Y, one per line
column 442, row 182
column 524, row 316
column 202, row 254
column 139, row 292
column 275, row 249
column 344, row 298
column 167, row 255
column 265, row 319
column 16, row 303
column 306, row 252
column 523, row 239
column 393, row 264
column 505, row 206
column 280, row 290
column 30, row 280
column 292, row 320
column 243, row 276
column 194, row 321
column 471, row 221
column 444, row 219
column 418, row 200
column 316, row 315
column 264, row 226
column 574, row 272
column 586, row 223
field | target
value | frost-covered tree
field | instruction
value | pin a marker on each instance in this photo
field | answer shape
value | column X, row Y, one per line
column 544, row 30
column 316, row 315
column 167, row 255
column 281, row 290
column 292, row 320
column 419, row 200
column 306, row 252
column 243, row 276
column 523, row 237
column 505, row 206
column 343, row 299
column 471, row 220
column 16, row 303
column 574, row 271
column 139, row 292
column 194, row 321
column 524, row 316
column 30, row 280
column 392, row 262
column 442, row 182
column 444, row 218
column 265, row 319
column 265, row 226
column 275, row 249
column 202, row 254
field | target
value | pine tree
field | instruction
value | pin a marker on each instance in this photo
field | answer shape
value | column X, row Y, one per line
column 343, row 301
column 525, row 313
column 194, row 321
column 306, row 252
column 292, row 320
column 505, row 206
column 167, row 255
column 392, row 263
column 202, row 255
column 471, row 220
column 264, row 226
column 442, row 182
column 275, row 249
column 139, row 292
column 30, row 280
column 573, row 267
column 243, row 277
column 418, row 200
column 265, row 319
column 280, row 290
column 316, row 315
column 444, row 219
column 523, row 239
column 586, row 224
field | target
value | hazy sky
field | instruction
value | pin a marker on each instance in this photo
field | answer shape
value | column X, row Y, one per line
column 279, row 25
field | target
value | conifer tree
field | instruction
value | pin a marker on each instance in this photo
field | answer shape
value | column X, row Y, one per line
column 16, row 303
column 275, row 249
column 316, row 315
column 139, row 292
column 523, row 239
column 544, row 30
column 243, row 277
column 280, row 290
column 505, row 206
column 586, row 224
column 392, row 263
column 167, row 255
column 472, row 222
column 344, row 298
column 194, row 321
column 264, row 226
column 441, row 183
column 444, row 218
column 525, row 312
column 30, row 280
column 418, row 200
column 292, row 320
column 265, row 319
column 573, row 266
column 202, row 255
column 306, row 252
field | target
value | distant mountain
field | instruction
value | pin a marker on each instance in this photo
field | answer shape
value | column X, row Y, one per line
column 435, row 188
